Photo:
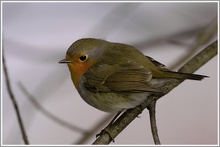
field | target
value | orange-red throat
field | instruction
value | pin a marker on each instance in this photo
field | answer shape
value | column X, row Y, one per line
column 78, row 68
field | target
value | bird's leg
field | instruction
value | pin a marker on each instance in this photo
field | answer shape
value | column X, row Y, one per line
column 105, row 130
column 114, row 118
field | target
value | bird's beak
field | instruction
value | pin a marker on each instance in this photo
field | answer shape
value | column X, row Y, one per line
column 65, row 61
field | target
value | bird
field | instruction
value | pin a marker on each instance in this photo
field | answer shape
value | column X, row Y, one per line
column 114, row 77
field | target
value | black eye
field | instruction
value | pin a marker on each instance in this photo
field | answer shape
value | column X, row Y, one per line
column 83, row 58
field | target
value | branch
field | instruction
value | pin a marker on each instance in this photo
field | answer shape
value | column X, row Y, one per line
column 153, row 123
column 124, row 120
column 14, row 102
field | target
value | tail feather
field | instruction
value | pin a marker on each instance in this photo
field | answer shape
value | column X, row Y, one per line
column 179, row 75
column 166, row 73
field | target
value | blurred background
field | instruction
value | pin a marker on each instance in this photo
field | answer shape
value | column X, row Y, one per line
column 36, row 35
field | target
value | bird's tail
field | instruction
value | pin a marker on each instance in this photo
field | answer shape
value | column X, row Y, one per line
column 179, row 75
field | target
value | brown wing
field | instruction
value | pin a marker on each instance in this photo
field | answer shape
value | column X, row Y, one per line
column 128, row 77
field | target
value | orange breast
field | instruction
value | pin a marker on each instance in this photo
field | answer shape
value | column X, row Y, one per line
column 77, row 69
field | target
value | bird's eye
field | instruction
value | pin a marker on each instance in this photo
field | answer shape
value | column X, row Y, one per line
column 83, row 58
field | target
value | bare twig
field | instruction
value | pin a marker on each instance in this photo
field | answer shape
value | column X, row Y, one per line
column 14, row 102
column 125, row 119
column 152, row 111
column 48, row 114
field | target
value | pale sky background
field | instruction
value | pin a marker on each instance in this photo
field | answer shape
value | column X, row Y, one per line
column 37, row 35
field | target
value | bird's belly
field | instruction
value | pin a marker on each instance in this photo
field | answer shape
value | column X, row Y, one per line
column 113, row 102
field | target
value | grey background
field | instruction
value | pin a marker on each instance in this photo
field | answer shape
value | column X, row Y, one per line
column 36, row 36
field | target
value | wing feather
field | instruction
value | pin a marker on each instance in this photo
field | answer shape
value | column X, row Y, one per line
column 128, row 77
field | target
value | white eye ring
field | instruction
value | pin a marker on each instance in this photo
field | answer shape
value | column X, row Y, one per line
column 83, row 58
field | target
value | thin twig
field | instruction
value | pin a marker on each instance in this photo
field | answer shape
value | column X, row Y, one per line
column 124, row 120
column 48, row 114
column 14, row 102
column 153, row 123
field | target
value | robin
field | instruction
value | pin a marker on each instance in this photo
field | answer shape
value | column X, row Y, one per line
column 113, row 77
